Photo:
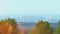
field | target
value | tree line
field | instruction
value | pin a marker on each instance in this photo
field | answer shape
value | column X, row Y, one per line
column 9, row 26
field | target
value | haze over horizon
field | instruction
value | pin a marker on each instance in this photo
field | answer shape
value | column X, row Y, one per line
column 24, row 9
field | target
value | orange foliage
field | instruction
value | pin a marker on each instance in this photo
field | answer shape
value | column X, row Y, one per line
column 4, row 28
column 9, row 29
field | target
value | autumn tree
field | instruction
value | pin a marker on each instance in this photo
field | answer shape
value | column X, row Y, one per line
column 13, row 24
column 42, row 28
column 8, row 26
column 3, row 27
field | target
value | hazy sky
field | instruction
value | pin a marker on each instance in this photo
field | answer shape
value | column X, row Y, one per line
column 29, row 7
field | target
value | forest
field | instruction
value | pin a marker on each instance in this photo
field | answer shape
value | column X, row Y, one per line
column 10, row 26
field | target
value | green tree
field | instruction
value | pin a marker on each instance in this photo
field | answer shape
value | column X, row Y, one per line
column 11, row 21
column 42, row 28
column 57, row 29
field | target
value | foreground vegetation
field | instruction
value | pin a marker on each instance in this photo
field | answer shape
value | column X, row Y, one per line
column 10, row 26
column 44, row 28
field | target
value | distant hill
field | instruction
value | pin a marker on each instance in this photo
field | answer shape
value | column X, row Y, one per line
column 30, row 25
column 54, row 25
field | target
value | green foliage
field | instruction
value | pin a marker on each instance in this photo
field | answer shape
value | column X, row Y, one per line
column 57, row 29
column 59, row 23
column 42, row 28
column 11, row 21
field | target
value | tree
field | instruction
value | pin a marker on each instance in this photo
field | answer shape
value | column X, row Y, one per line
column 4, row 28
column 57, row 29
column 42, row 28
column 8, row 26
column 13, row 25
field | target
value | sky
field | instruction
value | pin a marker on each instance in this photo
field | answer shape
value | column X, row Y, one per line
column 46, row 8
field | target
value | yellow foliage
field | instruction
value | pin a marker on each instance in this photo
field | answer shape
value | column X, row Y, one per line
column 42, row 28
